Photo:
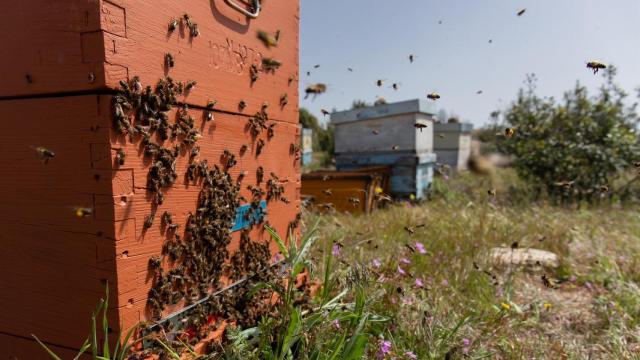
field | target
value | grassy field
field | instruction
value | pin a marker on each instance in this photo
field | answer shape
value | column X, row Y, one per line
column 450, row 301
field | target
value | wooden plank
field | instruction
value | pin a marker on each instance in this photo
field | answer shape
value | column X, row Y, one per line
column 112, row 39
column 23, row 348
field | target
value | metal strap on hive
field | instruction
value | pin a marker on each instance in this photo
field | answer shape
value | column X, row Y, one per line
column 253, row 15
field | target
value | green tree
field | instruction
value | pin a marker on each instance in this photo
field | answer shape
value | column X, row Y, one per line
column 322, row 137
column 573, row 149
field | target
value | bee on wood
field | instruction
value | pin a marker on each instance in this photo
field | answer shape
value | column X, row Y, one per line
column 194, row 31
column 315, row 89
column 166, row 218
column 28, row 78
column 327, row 206
column 521, row 12
column 411, row 58
column 209, row 113
column 294, row 149
column 243, row 149
column 253, row 73
column 91, row 78
column 241, row 176
column 173, row 25
column 325, row 177
column 259, row 145
column 190, row 85
column 284, row 100
column 44, row 153
column 169, row 62
column 270, row 131
column 355, row 202
column 269, row 40
column 230, row 159
column 420, row 126
column 120, row 156
column 155, row 262
column 433, row 96
column 148, row 221
column 595, row 66
column 327, row 192
column 82, row 212
column 291, row 79
column 324, row 112
column 269, row 64
column 508, row 132
column 242, row 105
column 193, row 153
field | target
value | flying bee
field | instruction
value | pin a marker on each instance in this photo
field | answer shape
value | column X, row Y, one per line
column 604, row 189
column 595, row 66
column 521, row 12
column 410, row 230
column 564, row 184
column 637, row 164
column 44, row 153
column 395, row 86
column 410, row 248
column 269, row 64
column 515, row 245
column 190, row 85
column 547, row 282
column 375, row 132
column 420, row 126
column 169, row 62
column 324, row 112
column 508, row 132
column 327, row 192
column 478, row 92
column 491, row 192
column 433, row 96
column 350, row 69
column 411, row 58
column 379, row 83
column 316, row 66
column 326, row 177
column 173, row 24
column 441, row 136
column 395, row 147
column 120, row 156
column 355, row 202
column 315, row 89
column 82, row 212
column 269, row 40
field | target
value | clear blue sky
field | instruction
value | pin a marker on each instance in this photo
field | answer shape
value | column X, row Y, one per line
column 553, row 39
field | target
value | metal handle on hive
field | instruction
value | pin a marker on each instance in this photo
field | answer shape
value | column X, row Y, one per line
column 253, row 15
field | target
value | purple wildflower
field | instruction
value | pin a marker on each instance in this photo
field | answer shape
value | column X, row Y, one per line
column 420, row 248
column 466, row 342
column 419, row 282
column 376, row 263
column 385, row 348
column 335, row 250
column 336, row 324
column 405, row 261
column 400, row 271
column 411, row 355
column 445, row 282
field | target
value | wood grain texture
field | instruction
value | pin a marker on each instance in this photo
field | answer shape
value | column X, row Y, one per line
column 87, row 45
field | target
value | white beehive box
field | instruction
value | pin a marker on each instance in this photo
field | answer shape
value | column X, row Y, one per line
column 452, row 144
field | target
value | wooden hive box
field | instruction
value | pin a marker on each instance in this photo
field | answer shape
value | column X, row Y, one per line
column 58, row 92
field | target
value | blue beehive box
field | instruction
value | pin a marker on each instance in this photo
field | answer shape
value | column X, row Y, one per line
column 399, row 135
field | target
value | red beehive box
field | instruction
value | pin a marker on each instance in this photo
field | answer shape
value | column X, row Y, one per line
column 67, row 60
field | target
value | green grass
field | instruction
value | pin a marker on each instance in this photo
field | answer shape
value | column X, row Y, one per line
column 593, row 313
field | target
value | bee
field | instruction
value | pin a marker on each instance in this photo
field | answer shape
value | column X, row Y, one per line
column 155, row 262
column 326, row 177
column 491, row 192
column 168, row 60
column 269, row 40
column 241, row 105
column 44, row 153
column 564, row 184
column 327, row 206
column 547, row 282
column 243, row 149
column 270, row 131
column 515, row 245
column 260, row 144
column 394, row 86
column 28, row 78
column 410, row 248
column 410, row 230
column 324, row 112
column 148, row 222
column 269, row 64
column 284, row 100
column 253, row 73
column 308, row 73
column 604, row 189
column 478, row 92
column 91, row 78
column 241, row 176
column 595, row 66
column 173, row 24
column 637, row 164
column 411, row 58
column 166, row 218
column 350, row 69
column 194, row 30
column 379, row 82
column 508, row 132
column 265, row 106
column 327, row 192
column 355, row 202
column 521, row 12
column 315, row 89
column 209, row 113
column 190, row 85
column 316, row 66
column 395, row 147
column 441, row 136
column 420, row 126
column 187, row 20
column 375, row 132
column 82, row 212
column 230, row 158
column 433, row 96
column 120, row 156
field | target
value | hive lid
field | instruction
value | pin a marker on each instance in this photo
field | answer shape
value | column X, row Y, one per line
column 372, row 112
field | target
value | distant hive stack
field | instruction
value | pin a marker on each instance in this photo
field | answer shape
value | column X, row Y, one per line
column 387, row 135
column 59, row 78
column 452, row 144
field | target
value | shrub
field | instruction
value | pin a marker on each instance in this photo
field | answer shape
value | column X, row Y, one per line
column 576, row 148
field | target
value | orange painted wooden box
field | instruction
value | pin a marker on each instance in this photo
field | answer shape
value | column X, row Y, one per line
column 62, row 72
